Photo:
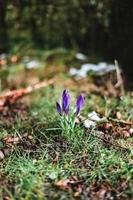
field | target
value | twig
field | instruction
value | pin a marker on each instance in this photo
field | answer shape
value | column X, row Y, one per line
column 121, row 121
column 14, row 95
column 119, row 83
column 107, row 120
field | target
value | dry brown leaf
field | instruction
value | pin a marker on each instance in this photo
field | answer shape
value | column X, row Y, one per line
column 125, row 134
column 70, row 184
column 6, row 198
column 63, row 184
column 14, row 140
column 78, row 192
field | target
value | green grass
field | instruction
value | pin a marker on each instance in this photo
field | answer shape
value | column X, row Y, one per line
column 34, row 165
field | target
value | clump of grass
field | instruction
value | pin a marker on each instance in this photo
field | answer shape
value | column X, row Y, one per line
column 67, row 120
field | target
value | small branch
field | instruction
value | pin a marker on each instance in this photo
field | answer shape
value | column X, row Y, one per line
column 13, row 95
column 121, row 121
column 119, row 83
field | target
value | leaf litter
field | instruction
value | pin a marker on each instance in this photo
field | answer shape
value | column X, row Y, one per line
column 98, row 190
column 11, row 107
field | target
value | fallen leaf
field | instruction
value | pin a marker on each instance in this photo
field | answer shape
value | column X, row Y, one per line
column 125, row 134
column 78, row 192
column 13, row 140
column 63, row 184
column 6, row 198
column 72, row 184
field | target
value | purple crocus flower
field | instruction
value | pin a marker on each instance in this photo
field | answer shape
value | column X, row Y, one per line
column 66, row 100
column 79, row 104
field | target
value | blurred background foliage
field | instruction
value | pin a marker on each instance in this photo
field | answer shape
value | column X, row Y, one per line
column 101, row 28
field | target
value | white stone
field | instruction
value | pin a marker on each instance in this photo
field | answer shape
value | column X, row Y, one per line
column 80, row 56
column 99, row 69
column 1, row 155
column 94, row 116
column 89, row 124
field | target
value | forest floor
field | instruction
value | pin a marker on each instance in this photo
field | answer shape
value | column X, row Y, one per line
column 39, row 160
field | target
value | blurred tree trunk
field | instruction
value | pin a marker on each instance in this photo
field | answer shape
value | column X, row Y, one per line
column 3, row 33
column 121, row 34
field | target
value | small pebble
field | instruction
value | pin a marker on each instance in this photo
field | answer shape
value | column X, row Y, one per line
column 131, row 130
column 89, row 124
column 7, row 151
column 1, row 155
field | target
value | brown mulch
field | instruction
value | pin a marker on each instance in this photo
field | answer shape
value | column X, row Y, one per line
column 12, row 112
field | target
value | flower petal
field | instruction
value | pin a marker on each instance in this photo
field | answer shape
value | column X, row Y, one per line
column 58, row 107
column 79, row 104
column 66, row 100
